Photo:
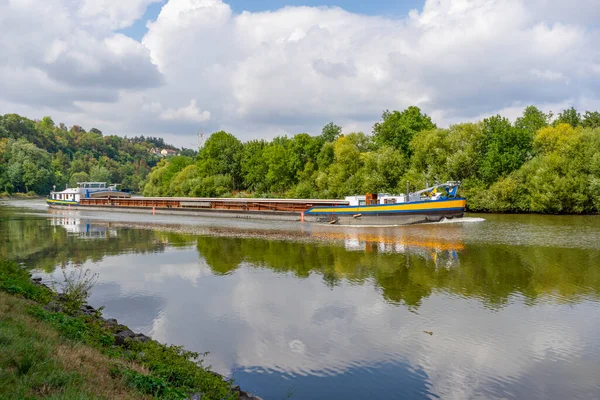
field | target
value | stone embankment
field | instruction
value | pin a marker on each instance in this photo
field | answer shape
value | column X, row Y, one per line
column 122, row 334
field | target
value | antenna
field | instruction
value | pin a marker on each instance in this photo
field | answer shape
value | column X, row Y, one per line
column 200, row 135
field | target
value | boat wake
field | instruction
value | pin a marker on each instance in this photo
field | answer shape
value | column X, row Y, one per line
column 462, row 220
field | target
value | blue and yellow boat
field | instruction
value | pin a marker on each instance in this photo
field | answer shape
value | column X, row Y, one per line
column 430, row 204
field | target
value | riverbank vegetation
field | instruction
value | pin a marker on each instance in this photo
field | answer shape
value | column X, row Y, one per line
column 37, row 155
column 536, row 164
column 37, row 362
column 50, row 349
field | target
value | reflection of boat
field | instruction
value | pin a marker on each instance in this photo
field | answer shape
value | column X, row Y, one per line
column 85, row 190
column 440, row 251
column 430, row 204
column 84, row 229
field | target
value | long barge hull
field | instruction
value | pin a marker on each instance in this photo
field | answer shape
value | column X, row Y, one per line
column 309, row 210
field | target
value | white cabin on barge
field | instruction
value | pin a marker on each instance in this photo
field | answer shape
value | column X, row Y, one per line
column 381, row 198
column 72, row 196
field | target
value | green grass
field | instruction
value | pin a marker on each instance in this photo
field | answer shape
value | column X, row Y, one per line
column 15, row 280
column 38, row 362
column 60, row 356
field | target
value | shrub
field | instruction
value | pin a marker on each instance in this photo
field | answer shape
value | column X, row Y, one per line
column 76, row 288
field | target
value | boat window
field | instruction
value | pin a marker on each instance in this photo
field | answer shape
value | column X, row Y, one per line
column 362, row 202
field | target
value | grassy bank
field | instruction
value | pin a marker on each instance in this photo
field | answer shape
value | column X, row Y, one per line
column 50, row 352
column 37, row 362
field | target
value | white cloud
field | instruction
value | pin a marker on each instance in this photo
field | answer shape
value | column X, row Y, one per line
column 112, row 14
column 547, row 75
column 51, row 56
column 187, row 113
column 297, row 68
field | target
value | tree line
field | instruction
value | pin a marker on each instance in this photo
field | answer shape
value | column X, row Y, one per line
column 540, row 163
column 37, row 155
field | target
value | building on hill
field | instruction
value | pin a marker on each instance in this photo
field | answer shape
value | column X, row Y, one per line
column 168, row 152
column 155, row 151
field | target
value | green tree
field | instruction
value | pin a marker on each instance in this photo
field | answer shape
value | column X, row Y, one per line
column 78, row 177
column 254, row 166
column 569, row 116
column 75, row 150
column 465, row 150
column 213, row 186
column 29, row 168
column 398, row 128
column 326, row 156
column 532, row 120
column 159, row 180
column 505, row 148
column 184, row 182
column 344, row 176
column 556, row 138
column 302, row 149
column 382, row 170
column 279, row 176
column 188, row 152
column 47, row 123
column 100, row 174
column 221, row 155
column 330, row 132
column 430, row 151
column 591, row 119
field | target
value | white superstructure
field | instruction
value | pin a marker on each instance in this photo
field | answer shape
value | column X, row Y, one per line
column 86, row 190
column 381, row 198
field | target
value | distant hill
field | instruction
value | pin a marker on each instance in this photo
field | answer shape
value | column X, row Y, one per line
column 37, row 155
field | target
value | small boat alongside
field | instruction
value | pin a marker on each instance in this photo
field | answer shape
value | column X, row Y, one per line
column 430, row 204
column 84, row 190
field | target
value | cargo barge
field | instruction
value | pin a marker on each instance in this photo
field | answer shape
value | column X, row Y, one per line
column 431, row 204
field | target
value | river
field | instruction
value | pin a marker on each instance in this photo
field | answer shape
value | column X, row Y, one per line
column 491, row 306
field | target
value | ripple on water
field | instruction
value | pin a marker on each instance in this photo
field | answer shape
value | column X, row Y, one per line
column 355, row 381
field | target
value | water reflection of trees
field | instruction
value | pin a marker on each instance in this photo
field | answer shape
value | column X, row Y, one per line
column 59, row 241
column 492, row 273
column 406, row 270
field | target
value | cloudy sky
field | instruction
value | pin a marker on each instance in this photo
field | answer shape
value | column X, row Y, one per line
column 262, row 68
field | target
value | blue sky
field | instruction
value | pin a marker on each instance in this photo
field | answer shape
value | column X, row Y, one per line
column 391, row 8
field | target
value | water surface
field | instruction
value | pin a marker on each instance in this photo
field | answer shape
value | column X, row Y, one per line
column 493, row 306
